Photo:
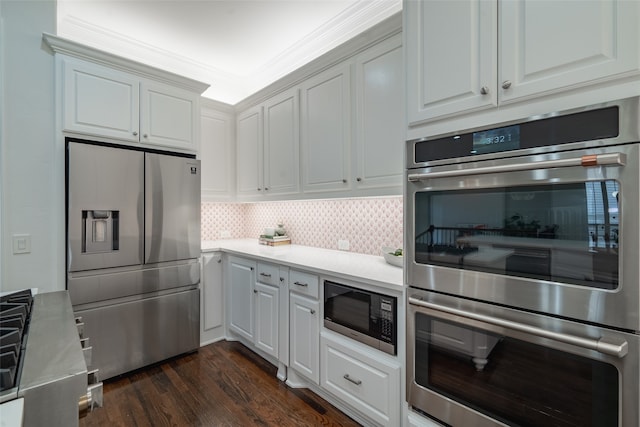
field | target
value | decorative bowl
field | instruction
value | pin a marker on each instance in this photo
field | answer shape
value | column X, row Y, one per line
column 387, row 253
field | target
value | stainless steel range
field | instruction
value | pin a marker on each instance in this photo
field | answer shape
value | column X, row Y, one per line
column 522, row 242
column 44, row 375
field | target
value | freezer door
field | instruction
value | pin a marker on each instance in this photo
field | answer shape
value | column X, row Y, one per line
column 172, row 208
column 104, row 206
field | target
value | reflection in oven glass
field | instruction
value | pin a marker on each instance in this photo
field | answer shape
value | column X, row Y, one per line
column 518, row 383
column 566, row 232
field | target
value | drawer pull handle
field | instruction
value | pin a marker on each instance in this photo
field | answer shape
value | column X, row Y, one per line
column 348, row 378
column 265, row 274
column 300, row 284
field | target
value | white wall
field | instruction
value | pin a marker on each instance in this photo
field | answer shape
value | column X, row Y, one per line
column 32, row 158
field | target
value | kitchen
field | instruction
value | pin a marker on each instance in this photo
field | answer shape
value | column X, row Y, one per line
column 29, row 165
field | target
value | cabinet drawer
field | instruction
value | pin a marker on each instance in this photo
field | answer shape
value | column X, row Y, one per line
column 268, row 274
column 369, row 385
column 304, row 283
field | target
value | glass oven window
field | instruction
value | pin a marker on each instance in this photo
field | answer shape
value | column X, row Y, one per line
column 516, row 382
column 560, row 232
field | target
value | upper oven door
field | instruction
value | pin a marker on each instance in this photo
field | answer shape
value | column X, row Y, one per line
column 554, row 233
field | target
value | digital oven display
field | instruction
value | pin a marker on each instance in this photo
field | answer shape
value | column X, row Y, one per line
column 496, row 140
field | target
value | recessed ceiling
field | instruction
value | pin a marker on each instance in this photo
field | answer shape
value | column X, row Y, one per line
column 237, row 47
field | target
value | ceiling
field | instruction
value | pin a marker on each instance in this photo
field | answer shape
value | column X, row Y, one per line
column 236, row 46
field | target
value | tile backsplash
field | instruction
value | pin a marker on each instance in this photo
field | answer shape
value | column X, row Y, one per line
column 366, row 223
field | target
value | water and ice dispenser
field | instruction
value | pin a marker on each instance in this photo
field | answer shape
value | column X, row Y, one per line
column 100, row 231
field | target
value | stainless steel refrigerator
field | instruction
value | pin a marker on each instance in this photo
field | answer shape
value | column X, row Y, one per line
column 133, row 246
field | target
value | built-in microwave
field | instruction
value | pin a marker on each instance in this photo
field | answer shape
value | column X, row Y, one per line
column 366, row 316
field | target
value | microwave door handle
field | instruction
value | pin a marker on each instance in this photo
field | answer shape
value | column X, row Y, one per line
column 615, row 159
column 614, row 349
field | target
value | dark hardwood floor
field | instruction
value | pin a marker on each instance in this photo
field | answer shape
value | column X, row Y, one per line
column 223, row 384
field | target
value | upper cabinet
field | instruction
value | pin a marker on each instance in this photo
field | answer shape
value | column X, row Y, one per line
column 466, row 56
column 268, row 147
column 326, row 130
column 379, row 126
column 217, row 150
column 105, row 96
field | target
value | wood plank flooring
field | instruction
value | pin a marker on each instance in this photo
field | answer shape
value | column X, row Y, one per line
column 223, row 384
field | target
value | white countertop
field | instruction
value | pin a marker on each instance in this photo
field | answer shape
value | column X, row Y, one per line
column 350, row 265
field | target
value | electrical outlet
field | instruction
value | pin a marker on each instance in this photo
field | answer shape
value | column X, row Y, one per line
column 225, row 234
column 21, row 243
column 343, row 245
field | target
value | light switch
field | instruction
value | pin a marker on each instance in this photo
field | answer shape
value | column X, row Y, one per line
column 21, row 243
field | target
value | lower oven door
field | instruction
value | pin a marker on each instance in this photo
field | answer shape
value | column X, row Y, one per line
column 476, row 364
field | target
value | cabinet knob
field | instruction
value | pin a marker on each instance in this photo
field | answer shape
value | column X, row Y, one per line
column 506, row 84
column 266, row 188
column 358, row 179
column 282, row 279
column 259, row 189
column 484, row 90
column 344, row 181
column 312, row 311
column 135, row 133
column 255, row 291
column 145, row 136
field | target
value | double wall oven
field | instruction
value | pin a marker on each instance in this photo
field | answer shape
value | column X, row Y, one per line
column 523, row 271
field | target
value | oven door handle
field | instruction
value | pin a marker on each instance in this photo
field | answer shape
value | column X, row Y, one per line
column 614, row 349
column 616, row 159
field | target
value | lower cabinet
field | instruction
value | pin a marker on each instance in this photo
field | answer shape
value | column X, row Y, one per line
column 304, row 325
column 211, row 303
column 304, row 347
column 365, row 380
column 278, row 311
column 242, row 278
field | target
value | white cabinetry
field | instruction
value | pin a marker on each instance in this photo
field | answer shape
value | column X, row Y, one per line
column 217, row 151
column 304, row 327
column 268, row 146
column 211, row 298
column 466, row 56
column 242, row 278
column 255, row 312
column 266, row 307
column 368, row 382
column 249, row 152
column 326, row 130
column 379, row 141
column 102, row 101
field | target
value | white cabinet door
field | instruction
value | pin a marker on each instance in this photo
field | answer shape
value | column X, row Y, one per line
column 217, row 154
column 326, row 130
column 211, row 299
column 249, row 152
column 242, row 279
column 100, row 101
column 304, row 330
column 281, row 142
column 169, row 116
column 580, row 43
column 451, row 57
column 469, row 55
column 379, row 143
column 266, row 316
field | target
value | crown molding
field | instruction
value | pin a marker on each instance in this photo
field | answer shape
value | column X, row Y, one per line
column 382, row 31
column 60, row 45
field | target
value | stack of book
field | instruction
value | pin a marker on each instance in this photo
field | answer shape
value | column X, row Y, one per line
column 274, row 240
